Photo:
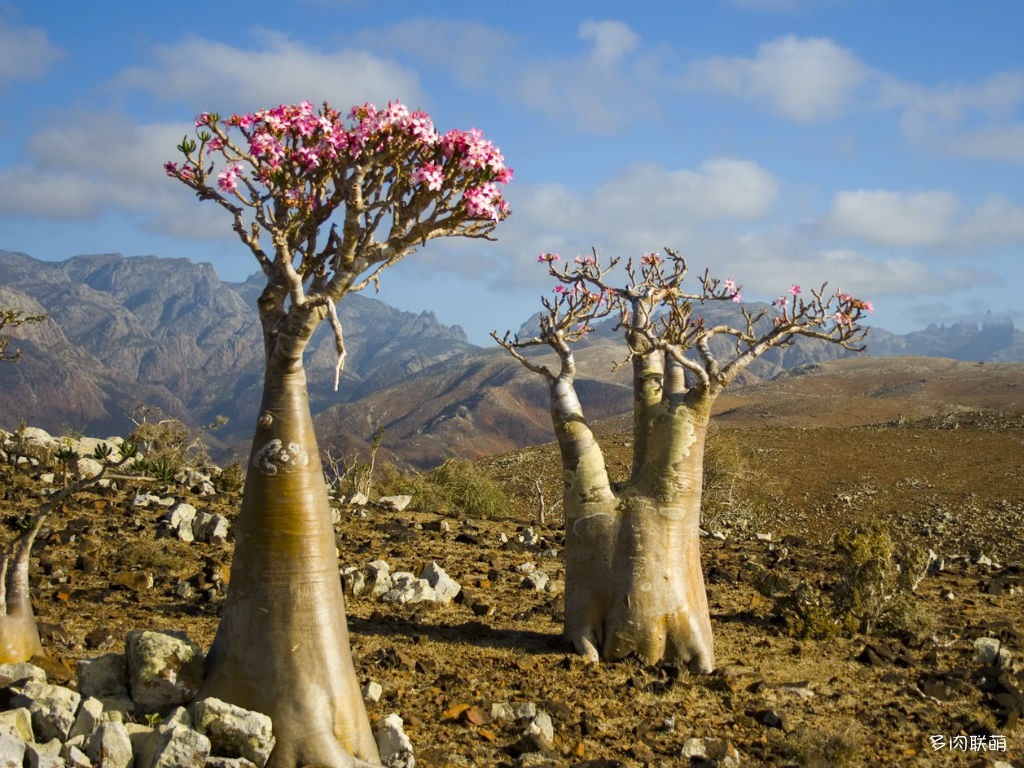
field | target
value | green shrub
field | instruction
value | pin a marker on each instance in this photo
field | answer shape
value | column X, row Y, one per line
column 456, row 486
column 873, row 589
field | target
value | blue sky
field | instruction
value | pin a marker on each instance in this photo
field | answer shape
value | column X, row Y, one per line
column 875, row 144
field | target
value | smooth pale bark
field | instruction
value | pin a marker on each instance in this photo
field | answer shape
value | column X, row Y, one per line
column 634, row 583
column 19, row 634
column 282, row 647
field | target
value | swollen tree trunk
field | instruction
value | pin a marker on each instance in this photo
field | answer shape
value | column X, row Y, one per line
column 634, row 584
column 19, row 634
column 282, row 647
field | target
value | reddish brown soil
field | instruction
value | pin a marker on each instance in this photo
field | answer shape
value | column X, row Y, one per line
column 956, row 490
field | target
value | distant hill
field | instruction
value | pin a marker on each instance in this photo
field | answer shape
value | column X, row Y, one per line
column 123, row 332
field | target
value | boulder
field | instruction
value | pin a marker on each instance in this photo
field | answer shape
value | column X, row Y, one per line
column 233, row 731
column 165, row 669
column 393, row 744
column 445, row 587
column 53, row 708
column 110, row 746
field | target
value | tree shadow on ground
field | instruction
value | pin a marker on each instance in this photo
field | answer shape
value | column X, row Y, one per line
column 470, row 632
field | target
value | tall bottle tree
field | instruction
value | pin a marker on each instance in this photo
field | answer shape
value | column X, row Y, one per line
column 634, row 583
column 324, row 202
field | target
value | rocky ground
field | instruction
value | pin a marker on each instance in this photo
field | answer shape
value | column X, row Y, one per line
column 919, row 696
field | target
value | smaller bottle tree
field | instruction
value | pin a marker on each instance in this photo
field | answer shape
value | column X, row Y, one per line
column 634, row 583
column 19, row 632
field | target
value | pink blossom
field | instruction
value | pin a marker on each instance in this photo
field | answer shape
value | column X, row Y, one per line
column 729, row 285
column 781, row 302
column 549, row 257
column 868, row 307
column 794, row 289
column 202, row 119
column 480, row 201
column 227, row 179
column 737, row 298
column 429, row 174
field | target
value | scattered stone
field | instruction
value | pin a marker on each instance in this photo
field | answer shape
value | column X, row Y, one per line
column 12, row 750
column 407, row 588
column 372, row 692
column 233, row 731
column 103, row 677
column 444, row 586
column 536, row 580
column 23, row 670
column 394, row 503
column 164, row 669
column 17, row 722
column 137, row 581
column 44, row 755
column 180, row 519
column 90, row 714
column 211, row 528
column 110, row 746
column 358, row 499
column 53, row 708
column 720, row 751
column 87, row 467
column 990, row 651
column 393, row 744
column 175, row 746
column 378, row 578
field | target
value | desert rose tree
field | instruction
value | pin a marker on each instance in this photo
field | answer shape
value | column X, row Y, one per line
column 324, row 202
column 19, row 633
column 634, row 584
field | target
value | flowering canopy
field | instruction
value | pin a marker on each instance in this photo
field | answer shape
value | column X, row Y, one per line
column 658, row 315
column 283, row 172
column 326, row 202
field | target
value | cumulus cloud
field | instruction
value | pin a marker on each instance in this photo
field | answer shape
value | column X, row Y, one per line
column 277, row 70
column 66, row 178
column 722, row 188
column 934, row 220
column 889, row 217
column 805, row 79
column 996, row 221
column 592, row 90
column 26, row 53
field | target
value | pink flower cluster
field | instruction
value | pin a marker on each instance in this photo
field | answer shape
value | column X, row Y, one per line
column 227, row 179
column 733, row 289
column 300, row 139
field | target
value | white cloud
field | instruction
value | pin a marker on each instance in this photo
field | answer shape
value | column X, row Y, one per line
column 893, row 218
column 995, row 143
column 65, row 177
column 996, row 221
column 611, row 41
column 26, row 53
column 805, row 79
column 209, row 74
column 592, row 91
column 723, row 188
column 975, row 120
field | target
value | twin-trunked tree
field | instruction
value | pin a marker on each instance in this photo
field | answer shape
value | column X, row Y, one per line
column 633, row 577
column 324, row 203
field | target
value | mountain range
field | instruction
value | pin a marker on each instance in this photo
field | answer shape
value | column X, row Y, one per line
column 128, row 332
